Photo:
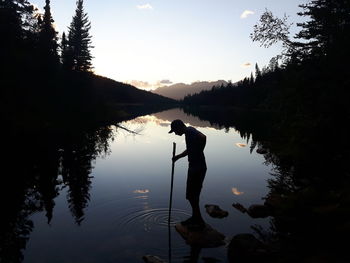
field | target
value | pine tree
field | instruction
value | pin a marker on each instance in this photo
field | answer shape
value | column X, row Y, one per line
column 79, row 40
column 251, row 80
column 328, row 28
column 10, row 30
column 48, row 39
column 66, row 53
column 257, row 72
column 18, row 34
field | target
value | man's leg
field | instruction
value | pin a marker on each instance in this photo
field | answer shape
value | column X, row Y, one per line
column 196, row 212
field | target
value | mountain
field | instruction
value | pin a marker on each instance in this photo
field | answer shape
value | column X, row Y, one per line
column 180, row 90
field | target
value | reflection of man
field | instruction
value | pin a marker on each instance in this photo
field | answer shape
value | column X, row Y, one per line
column 195, row 143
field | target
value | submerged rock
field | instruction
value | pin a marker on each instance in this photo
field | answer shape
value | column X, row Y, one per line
column 152, row 259
column 216, row 211
column 254, row 211
column 246, row 248
column 261, row 151
column 205, row 238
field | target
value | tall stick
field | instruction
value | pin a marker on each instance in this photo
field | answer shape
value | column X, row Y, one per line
column 172, row 182
column 171, row 200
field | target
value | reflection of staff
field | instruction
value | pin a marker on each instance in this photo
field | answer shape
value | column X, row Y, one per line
column 172, row 182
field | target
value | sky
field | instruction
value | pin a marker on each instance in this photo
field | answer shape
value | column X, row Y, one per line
column 150, row 43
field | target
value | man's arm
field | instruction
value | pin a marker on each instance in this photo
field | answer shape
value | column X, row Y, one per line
column 181, row 155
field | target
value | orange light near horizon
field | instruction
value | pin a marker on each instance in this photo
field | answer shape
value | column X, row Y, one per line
column 241, row 145
column 141, row 191
column 236, row 192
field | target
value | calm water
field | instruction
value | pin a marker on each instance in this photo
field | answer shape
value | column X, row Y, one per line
column 125, row 212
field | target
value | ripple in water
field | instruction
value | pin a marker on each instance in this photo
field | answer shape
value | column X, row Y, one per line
column 152, row 218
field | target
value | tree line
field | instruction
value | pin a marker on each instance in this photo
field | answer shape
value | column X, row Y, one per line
column 37, row 72
column 308, row 78
column 30, row 36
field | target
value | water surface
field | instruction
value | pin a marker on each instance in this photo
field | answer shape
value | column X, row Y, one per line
column 123, row 212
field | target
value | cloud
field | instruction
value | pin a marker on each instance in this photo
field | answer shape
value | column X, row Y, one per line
column 145, row 6
column 140, row 84
column 246, row 13
column 246, row 65
column 149, row 86
column 166, row 82
column 236, row 192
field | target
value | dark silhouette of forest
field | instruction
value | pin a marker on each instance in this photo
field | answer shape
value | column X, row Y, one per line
column 46, row 78
column 309, row 80
column 294, row 111
column 308, row 196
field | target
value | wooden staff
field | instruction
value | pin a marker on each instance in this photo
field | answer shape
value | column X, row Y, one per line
column 172, row 182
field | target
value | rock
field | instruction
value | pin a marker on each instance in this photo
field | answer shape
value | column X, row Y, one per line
column 259, row 211
column 205, row 238
column 246, row 248
column 261, row 151
column 215, row 211
column 152, row 259
column 254, row 211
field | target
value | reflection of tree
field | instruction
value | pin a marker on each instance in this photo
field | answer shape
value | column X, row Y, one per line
column 15, row 226
column 36, row 161
column 77, row 166
column 47, row 182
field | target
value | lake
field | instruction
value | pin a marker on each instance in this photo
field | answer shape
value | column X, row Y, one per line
column 115, row 208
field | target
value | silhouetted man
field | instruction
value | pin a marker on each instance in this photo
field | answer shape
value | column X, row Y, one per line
column 195, row 143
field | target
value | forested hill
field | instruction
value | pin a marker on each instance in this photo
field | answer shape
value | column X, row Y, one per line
column 117, row 92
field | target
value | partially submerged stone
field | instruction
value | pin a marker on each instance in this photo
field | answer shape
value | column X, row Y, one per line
column 152, row 259
column 215, row 211
column 205, row 238
column 261, row 151
column 254, row 211
column 246, row 248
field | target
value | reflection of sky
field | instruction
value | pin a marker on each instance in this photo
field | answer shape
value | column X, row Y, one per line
column 144, row 160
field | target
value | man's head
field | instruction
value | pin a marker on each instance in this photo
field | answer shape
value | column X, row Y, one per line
column 178, row 127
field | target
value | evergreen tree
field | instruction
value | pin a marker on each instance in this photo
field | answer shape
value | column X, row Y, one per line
column 11, row 34
column 66, row 53
column 18, row 39
column 79, row 40
column 327, row 31
column 257, row 72
column 48, row 40
column 251, row 80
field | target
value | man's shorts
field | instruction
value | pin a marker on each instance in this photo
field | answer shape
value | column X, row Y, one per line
column 195, row 178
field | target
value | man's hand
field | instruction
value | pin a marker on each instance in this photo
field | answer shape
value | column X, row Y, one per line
column 177, row 157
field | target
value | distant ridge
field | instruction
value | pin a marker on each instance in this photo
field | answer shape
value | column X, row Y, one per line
column 179, row 90
column 117, row 92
